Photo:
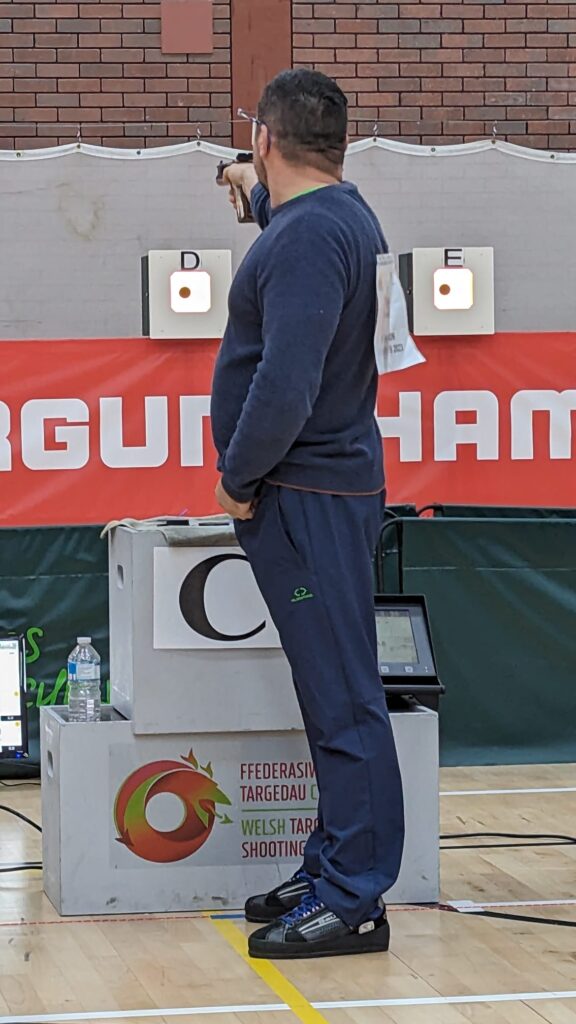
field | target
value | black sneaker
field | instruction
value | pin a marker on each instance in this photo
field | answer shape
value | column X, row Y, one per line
column 271, row 905
column 312, row 930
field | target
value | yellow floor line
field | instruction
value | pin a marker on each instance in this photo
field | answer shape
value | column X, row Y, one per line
column 270, row 974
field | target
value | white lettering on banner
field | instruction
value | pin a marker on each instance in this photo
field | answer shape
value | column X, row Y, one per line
column 5, row 449
column 448, row 433
column 193, row 410
column 407, row 426
column 115, row 454
column 559, row 405
column 75, row 451
column 72, row 437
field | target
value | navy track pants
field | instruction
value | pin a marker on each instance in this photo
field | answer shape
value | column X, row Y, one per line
column 312, row 555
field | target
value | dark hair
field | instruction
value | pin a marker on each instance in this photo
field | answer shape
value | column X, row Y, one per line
column 306, row 113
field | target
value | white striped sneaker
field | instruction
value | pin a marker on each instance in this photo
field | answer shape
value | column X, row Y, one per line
column 312, row 930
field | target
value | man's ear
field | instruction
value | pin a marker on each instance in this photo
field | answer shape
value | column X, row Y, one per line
column 264, row 141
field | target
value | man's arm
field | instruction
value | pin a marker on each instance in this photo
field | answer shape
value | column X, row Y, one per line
column 244, row 176
column 302, row 290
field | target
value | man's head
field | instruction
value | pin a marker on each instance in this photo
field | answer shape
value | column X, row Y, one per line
column 302, row 122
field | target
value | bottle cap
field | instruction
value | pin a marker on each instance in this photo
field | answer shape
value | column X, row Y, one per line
column 84, row 640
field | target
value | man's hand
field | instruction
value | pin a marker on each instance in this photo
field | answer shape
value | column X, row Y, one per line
column 240, row 176
column 235, row 509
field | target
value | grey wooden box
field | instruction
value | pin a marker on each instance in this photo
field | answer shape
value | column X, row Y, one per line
column 112, row 799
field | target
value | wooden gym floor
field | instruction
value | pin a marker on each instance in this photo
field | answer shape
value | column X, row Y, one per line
column 445, row 967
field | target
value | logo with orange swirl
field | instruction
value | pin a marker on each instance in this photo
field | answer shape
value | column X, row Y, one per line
column 199, row 794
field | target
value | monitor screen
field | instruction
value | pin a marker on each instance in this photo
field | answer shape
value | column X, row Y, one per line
column 11, row 726
column 396, row 643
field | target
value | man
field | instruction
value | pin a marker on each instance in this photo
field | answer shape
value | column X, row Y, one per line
column 302, row 474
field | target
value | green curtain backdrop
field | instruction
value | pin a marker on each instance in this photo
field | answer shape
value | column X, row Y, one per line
column 501, row 594
column 53, row 588
column 502, row 600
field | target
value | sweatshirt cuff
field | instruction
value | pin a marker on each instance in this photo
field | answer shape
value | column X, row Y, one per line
column 260, row 205
column 239, row 494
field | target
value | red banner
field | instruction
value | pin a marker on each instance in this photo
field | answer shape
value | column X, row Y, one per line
column 98, row 430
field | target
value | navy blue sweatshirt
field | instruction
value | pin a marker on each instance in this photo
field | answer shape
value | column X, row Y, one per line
column 294, row 389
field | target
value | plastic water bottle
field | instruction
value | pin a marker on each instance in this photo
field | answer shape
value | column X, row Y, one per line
column 84, row 682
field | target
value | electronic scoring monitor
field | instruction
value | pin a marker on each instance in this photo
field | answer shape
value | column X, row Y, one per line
column 13, row 726
column 405, row 654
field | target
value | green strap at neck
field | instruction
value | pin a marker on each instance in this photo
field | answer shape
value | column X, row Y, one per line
column 306, row 191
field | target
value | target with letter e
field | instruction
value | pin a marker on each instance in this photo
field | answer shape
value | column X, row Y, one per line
column 449, row 291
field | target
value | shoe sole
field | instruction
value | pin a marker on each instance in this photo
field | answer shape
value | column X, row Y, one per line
column 255, row 918
column 377, row 941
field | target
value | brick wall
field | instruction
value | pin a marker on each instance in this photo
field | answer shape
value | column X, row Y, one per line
column 99, row 64
column 425, row 72
column 441, row 73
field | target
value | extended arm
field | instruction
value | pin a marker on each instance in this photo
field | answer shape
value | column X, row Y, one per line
column 244, row 176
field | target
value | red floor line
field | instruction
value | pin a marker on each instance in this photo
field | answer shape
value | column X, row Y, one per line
column 201, row 915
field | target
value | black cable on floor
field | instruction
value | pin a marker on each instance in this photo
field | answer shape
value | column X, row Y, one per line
column 10, row 810
column 522, row 917
column 559, row 840
column 503, row 846
column 17, row 785
column 20, row 867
